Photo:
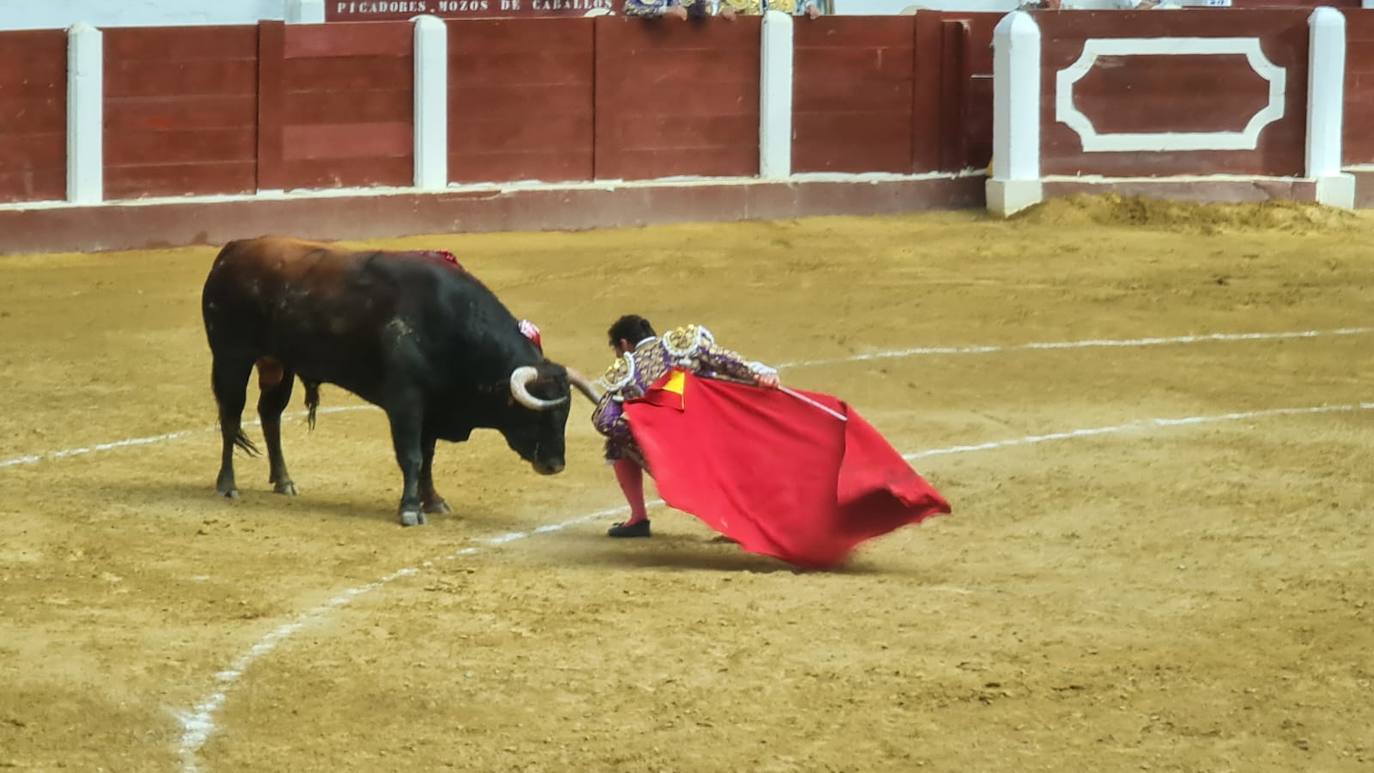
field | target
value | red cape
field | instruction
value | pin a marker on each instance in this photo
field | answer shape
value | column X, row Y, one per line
column 778, row 476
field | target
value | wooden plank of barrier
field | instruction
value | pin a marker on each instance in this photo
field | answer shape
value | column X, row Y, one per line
column 348, row 116
column 644, row 129
column 1358, row 145
column 951, row 120
column 955, row 74
column 925, row 94
column 180, row 111
column 33, row 115
column 853, row 94
column 498, row 69
column 308, row 41
column 271, row 104
column 181, row 44
column 978, row 91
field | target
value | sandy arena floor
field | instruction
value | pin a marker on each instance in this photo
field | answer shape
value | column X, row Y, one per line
column 1189, row 596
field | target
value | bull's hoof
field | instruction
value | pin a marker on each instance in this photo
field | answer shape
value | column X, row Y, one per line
column 228, row 491
column 438, row 507
column 285, row 487
column 412, row 518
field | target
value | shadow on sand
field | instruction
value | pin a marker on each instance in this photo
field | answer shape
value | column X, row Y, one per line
column 685, row 552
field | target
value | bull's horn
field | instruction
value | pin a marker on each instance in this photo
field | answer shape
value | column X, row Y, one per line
column 520, row 379
column 583, row 385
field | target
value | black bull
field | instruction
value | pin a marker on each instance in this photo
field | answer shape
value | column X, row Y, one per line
column 410, row 333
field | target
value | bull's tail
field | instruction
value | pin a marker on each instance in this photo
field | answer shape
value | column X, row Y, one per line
column 312, row 400
column 241, row 440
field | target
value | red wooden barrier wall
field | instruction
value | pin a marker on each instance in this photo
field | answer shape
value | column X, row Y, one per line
column 234, row 109
column 337, row 105
column 893, row 94
column 676, row 98
column 1181, row 93
column 1358, row 145
column 33, row 115
column 952, row 120
column 521, row 100
column 852, row 94
column 180, row 111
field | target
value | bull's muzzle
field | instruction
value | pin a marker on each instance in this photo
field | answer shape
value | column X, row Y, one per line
column 547, row 468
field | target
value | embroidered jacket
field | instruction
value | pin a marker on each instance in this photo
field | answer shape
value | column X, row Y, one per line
column 691, row 348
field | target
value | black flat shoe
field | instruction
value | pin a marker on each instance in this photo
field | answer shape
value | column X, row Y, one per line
column 623, row 529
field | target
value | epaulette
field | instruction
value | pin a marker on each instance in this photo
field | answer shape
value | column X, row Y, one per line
column 619, row 374
column 684, row 342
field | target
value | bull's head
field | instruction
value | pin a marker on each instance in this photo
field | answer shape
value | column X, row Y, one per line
column 539, row 413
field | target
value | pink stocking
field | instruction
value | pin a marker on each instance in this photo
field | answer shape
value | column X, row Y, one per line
column 631, row 479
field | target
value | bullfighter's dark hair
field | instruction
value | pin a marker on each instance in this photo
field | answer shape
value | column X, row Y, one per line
column 632, row 328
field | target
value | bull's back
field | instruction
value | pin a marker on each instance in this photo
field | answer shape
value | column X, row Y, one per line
column 256, row 285
column 321, row 311
column 270, row 259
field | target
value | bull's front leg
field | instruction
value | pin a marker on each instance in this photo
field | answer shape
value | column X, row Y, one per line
column 430, row 500
column 407, row 438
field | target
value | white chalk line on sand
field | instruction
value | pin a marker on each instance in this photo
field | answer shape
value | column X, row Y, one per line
column 879, row 355
column 150, row 440
column 1092, row 343
column 1143, row 424
column 199, row 724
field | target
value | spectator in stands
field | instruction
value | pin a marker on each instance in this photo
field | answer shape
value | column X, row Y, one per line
column 678, row 9
column 730, row 8
column 1142, row 5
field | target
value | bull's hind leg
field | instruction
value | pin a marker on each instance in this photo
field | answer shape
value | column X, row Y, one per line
column 430, row 500
column 274, row 384
column 408, row 439
column 229, row 380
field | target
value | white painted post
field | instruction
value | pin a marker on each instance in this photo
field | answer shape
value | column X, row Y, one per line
column 85, row 114
column 304, row 11
column 1325, row 108
column 431, row 103
column 1015, row 182
column 775, row 97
